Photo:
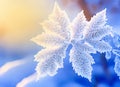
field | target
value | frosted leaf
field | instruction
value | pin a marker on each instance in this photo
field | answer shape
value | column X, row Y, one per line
column 48, row 40
column 62, row 19
column 84, row 36
column 51, row 26
column 100, row 46
column 81, row 63
column 98, row 20
column 59, row 16
column 116, row 52
column 55, row 39
column 78, row 25
column 84, row 47
column 117, row 66
column 49, row 60
column 98, row 34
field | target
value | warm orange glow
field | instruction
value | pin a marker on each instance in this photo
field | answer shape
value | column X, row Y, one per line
column 19, row 19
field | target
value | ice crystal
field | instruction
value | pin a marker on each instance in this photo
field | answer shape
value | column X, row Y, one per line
column 84, row 36
column 54, row 39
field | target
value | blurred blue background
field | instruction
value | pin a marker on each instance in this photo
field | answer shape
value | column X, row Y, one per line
column 17, row 66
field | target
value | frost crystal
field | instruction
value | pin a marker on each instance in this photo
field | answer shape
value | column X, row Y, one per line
column 84, row 36
column 54, row 39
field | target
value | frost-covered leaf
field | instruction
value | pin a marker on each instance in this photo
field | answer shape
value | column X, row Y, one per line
column 81, row 63
column 84, row 36
column 98, row 20
column 59, row 16
column 96, row 31
column 98, row 34
column 117, row 66
column 49, row 60
column 100, row 46
column 48, row 40
column 51, row 27
column 78, row 25
column 55, row 39
column 62, row 19
column 84, row 47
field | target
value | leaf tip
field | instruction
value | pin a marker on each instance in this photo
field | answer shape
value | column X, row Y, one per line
column 56, row 7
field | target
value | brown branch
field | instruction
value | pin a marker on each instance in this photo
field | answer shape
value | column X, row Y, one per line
column 83, row 5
